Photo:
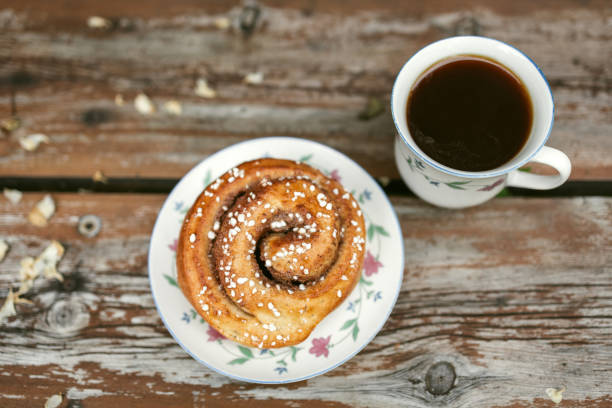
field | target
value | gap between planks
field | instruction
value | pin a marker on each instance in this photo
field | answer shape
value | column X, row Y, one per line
column 572, row 188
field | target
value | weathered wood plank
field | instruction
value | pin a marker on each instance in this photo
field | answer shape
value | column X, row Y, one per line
column 320, row 67
column 515, row 294
column 43, row 13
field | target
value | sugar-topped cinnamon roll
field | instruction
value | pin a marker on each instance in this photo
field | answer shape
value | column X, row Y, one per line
column 268, row 250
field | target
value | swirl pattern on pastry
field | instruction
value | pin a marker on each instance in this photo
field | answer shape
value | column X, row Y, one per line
column 268, row 250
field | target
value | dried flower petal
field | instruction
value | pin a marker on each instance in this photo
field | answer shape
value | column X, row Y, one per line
column 36, row 218
column 373, row 108
column 555, row 395
column 222, row 23
column 254, row 78
column 4, row 247
column 41, row 213
column 47, row 261
column 27, row 270
column 18, row 300
column 27, row 275
column 10, row 124
column 202, row 89
column 45, row 264
column 25, row 286
column 173, row 107
column 98, row 22
column 119, row 100
column 8, row 308
column 143, row 104
column 54, row 401
column 99, row 177
column 384, row 181
column 14, row 196
column 31, row 142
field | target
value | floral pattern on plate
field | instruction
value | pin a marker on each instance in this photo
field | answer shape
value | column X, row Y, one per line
column 238, row 354
column 342, row 333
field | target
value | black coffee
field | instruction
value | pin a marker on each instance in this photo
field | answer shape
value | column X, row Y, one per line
column 469, row 113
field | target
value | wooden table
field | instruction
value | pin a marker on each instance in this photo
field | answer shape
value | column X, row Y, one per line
column 498, row 303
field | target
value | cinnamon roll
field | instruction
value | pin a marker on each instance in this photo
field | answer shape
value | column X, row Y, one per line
column 268, row 250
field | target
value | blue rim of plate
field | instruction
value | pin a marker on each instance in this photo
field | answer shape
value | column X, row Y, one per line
column 272, row 139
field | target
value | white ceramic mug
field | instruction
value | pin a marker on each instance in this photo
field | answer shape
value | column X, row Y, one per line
column 447, row 187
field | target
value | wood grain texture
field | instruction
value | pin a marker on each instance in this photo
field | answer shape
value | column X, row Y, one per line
column 321, row 63
column 516, row 295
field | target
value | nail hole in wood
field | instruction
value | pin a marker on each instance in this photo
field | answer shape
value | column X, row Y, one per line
column 248, row 18
column 89, row 225
column 440, row 378
column 22, row 79
column 62, row 314
column 94, row 117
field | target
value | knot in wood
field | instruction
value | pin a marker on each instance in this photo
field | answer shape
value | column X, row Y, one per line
column 22, row 79
column 72, row 282
column 96, row 116
column 467, row 26
column 248, row 18
column 66, row 317
column 440, row 378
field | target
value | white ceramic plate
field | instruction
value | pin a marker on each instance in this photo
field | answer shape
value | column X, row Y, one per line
column 343, row 333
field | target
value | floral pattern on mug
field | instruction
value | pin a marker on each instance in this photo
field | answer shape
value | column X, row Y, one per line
column 417, row 166
column 492, row 186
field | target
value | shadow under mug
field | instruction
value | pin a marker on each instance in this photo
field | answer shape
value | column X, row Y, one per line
column 447, row 187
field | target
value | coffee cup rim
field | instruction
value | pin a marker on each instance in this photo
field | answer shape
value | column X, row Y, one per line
column 504, row 169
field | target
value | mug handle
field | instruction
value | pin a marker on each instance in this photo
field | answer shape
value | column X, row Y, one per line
column 551, row 157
